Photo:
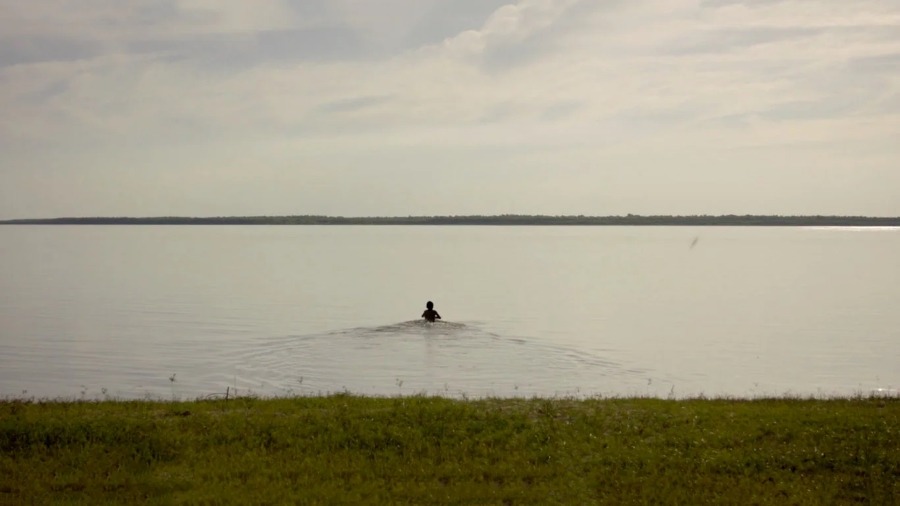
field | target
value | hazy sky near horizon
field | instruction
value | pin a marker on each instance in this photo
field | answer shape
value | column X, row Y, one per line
column 426, row 107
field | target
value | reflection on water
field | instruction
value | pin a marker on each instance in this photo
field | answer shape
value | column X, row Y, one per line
column 442, row 358
column 411, row 357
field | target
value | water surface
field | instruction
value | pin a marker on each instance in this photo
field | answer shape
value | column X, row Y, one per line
column 169, row 311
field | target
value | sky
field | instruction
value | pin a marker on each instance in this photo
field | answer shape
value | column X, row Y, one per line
column 449, row 107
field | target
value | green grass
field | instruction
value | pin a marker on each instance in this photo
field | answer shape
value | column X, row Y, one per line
column 344, row 449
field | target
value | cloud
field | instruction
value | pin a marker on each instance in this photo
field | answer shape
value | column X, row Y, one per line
column 353, row 104
column 518, row 62
column 306, row 89
column 513, row 29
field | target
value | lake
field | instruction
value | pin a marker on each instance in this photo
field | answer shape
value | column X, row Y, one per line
column 183, row 312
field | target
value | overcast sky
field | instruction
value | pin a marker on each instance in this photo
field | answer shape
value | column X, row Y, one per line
column 427, row 107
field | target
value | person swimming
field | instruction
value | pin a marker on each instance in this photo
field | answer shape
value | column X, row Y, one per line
column 430, row 314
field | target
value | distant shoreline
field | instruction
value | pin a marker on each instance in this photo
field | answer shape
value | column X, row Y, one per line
column 495, row 220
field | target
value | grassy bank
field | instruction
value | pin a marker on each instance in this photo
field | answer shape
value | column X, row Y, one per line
column 345, row 449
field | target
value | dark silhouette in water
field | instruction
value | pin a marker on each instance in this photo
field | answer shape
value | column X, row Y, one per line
column 430, row 314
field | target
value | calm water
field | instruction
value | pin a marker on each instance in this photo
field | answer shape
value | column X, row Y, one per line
column 161, row 312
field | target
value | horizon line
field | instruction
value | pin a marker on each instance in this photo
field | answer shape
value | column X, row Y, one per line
column 501, row 215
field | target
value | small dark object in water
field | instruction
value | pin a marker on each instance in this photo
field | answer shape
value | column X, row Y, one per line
column 430, row 314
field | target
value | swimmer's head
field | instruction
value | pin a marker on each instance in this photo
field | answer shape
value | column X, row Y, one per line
column 429, row 305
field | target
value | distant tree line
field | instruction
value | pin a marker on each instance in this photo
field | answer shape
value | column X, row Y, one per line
column 503, row 219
